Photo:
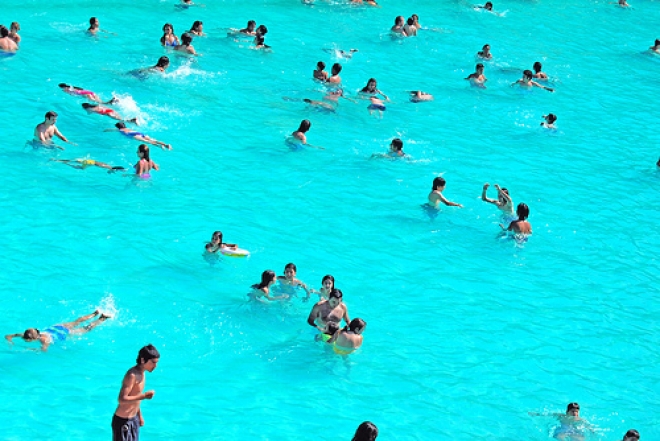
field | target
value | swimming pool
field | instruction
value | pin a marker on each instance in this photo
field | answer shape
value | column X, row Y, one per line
column 466, row 332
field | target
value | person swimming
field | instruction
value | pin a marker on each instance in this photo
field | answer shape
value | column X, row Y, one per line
column 197, row 29
column 169, row 39
column 656, row 46
column 145, row 164
column 417, row 96
column 186, row 45
column 334, row 77
column 94, row 26
column 409, row 28
column 319, row 73
column 217, row 244
column 289, row 282
column 436, row 196
column 549, row 122
column 371, row 89
column 631, row 435
column 7, row 44
column 101, row 110
column 377, row 105
column 478, row 78
column 522, row 225
column 398, row 28
column 503, row 201
column 538, row 72
column 249, row 29
column 339, row 53
column 138, row 136
column 260, row 37
column 367, row 431
column 82, row 164
column 331, row 310
column 261, row 290
column 79, row 91
column 59, row 332
column 327, row 285
column 13, row 32
column 485, row 53
column 526, row 81
column 299, row 136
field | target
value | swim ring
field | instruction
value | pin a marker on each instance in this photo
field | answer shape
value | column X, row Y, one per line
column 234, row 252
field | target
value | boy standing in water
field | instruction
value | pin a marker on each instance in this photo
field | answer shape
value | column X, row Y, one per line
column 436, row 196
column 127, row 420
column 522, row 225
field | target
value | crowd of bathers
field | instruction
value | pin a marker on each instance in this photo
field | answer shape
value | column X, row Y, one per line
column 328, row 313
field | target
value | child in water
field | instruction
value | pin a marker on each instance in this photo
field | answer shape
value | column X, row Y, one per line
column 261, row 290
column 522, row 225
column 216, row 243
column 549, row 122
column 289, row 282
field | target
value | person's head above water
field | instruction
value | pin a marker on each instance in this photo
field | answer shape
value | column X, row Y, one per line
column 331, row 328
column 305, row 124
column 399, row 21
column 657, row 43
column 537, row 67
column 550, row 118
column 50, row 115
column 479, row 68
column 366, row 431
column 186, row 39
column 371, row 85
column 410, row 21
column 290, row 270
column 267, row 277
column 336, row 68
column 251, row 25
column 146, row 354
column 320, row 65
column 263, row 30
column 168, row 27
column 527, row 74
column 197, row 26
column 488, row 6
column 439, row 183
column 93, row 21
column 396, row 145
column 15, row 27
column 328, row 282
column 163, row 62
column 30, row 334
column 120, row 125
column 335, row 297
column 631, row 435
column 4, row 32
column 572, row 408
column 217, row 237
column 88, row 106
column 143, row 152
column 357, row 325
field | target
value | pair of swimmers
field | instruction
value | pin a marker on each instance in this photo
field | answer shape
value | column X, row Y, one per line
column 406, row 28
column 321, row 75
column 7, row 44
column 262, row 291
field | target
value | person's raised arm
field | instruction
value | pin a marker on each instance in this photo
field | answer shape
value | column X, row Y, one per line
column 486, row 198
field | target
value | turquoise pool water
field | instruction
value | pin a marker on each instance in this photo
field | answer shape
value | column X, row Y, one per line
column 466, row 334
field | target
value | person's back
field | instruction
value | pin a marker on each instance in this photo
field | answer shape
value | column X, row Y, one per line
column 6, row 44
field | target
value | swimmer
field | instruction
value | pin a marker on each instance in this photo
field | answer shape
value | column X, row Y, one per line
column 631, row 435
column 417, row 96
column 319, row 73
column 571, row 425
column 99, row 109
column 436, row 196
column 409, row 28
column 138, row 136
column 396, row 148
column 93, row 26
column 45, row 131
column 162, row 64
column 331, row 310
column 526, row 81
column 330, row 100
column 362, row 2
column 371, row 89
column 485, row 53
column 145, row 164
column 350, row 338
column 13, row 32
column 656, row 46
column 249, row 29
column 415, row 18
column 488, row 6
column 261, row 290
column 624, row 3
column 327, row 285
column 216, row 243
column 334, row 77
column 376, row 105
column 299, row 134
column 127, row 419
column 59, row 332
column 186, row 45
column 521, row 226
column 289, row 279
column 366, row 431
column 341, row 53
column 538, row 73
column 197, row 29
column 549, row 122
column 398, row 29
column 503, row 201
column 478, row 79
column 259, row 37
column 82, row 164
column 88, row 94
column 169, row 39
column 7, row 44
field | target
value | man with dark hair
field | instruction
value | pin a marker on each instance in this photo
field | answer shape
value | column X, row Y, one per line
column 45, row 131
column 631, row 435
column 127, row 420
column 6, row 43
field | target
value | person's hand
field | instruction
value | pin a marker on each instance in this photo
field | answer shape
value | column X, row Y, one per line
column 486, row 185
column 141, row 421
column 497, row 186
column 459, row 206
column 149, row 394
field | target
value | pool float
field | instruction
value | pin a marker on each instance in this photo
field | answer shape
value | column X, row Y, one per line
column 234, row 252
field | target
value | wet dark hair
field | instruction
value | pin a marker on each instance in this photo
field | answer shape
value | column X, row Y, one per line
column 398, row 19
column 163, row 61
column 320, row 65
column 263, row 30
column 357, row 324
column 186, row 39
column 366, row 88
column 266, row 277
column 50, row 114
column 305, row 124
column 251, row 22
column 410, row 21
column 439, row 182
column 551, row 118
column 527, row 73
column 538, row 66
column 632, row 433
column 336, row 68
column 366, row 431
column 328, row 277
column 170, row 25
column 488, row 5
column 217, row 234
column 290, row 266
column 397, row 144
column 657, row 42
column 336, row 293
column 120, row 125
column 331, row 328
column 144, row 149
column 4, row 31
column 27, row 333
column 478, row 66
column 523, row 213
column 63, row 85
column 92, row 20
column 88, row 106
column 196, row 25
column 147, row 353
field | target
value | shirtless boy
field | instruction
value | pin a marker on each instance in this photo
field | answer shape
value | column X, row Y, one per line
column 127, row 420
column 45, row 131
column 6, row 43
column 436, row 196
